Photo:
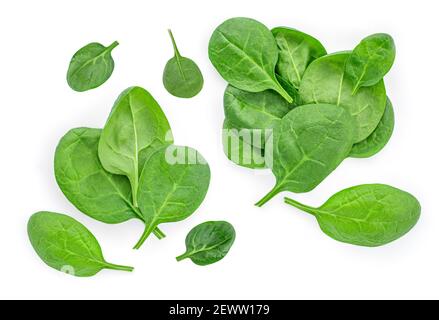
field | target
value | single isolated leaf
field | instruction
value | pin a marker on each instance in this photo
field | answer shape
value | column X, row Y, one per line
column 173, row 184
column 325, row 82
column 296, row 51
column 66, row 245
column 90, row 67
column 247, row 110
column 95, row 192
column 245, row 53
column 367, row 215
column 371, row 60
column 136, row 128
column 209, row 242
column 309, row 143
column 379, row 138
column 238, row 147
column 182, row 77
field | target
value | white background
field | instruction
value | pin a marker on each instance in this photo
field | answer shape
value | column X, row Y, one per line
column 280, row 253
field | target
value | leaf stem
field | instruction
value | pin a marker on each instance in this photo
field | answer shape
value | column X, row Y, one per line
column 113, row 45
column 268, row 197
column 284, row 93
column 300, row 206
column 145, row 235
column 183, row 256
column 118, row 267
column 159, row 234
column 176, row 52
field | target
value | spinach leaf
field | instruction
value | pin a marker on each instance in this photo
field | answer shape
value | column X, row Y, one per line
column 90, row 67
column 237, row 146
column 308, row 144
column 371, row 60
column 247, row 110
column 209, row 242
column 325, row 82
column 367, row 215
column 245, row 53
column 92, row 190
column 182, row 77
column 66, row 245
column 173, row 184
column 379, row 138
column 136, row 127
column 296, row 51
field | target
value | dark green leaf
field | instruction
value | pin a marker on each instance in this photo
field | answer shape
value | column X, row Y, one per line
column 90, row 67
column 367, row 215
column 297, row 51
column 209, row 242
column 182, row 77
column 325, row 82
column 173, row 184
column 66, row 245
column 379, row 138
column 371, row 60
column 245, row 53
column 309, row 143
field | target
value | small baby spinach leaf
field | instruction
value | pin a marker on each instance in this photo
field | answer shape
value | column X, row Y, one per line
column 379, row 138
column 66, row 245
column 325, row 82
column 182, row 77
column 371, row 60
column 367, row 215
column 95, row 192
column 297, row 51
column 308, row 144
column 209, row 242
column 173, row 184
column 90, row 67
column 237, row 146
column 245, row 53
column 136, row 127
column 248, row 110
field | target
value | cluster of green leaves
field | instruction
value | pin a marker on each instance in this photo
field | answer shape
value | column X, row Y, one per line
column 310, row 110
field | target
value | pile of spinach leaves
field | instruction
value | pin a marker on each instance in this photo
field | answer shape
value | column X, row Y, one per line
column 295, row 109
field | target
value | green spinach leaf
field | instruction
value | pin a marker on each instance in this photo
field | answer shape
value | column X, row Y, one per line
column 209, row 242
column 136, row 127
column 66, row 245
column 367, row 215
column 325, row 82
column 173, row 184
column 371, row 60
column 247, row 110
column 237, row 146
column 90, row 67
column 379, row 138
column 296, row 51
column 308, row 144
column 95, row 192
column 245, row 53
column 182, row 77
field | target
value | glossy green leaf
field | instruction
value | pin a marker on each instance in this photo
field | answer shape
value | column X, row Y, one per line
column 245, row 53
column 325, row 82
column 296, row 51
column 91, row 67
column 247, row 110
column 173, row 184
column 66, row 245
column 136, row 128
column 379, row 138
column 367, row 215
column 92, row 190
column 237, row 146
column 309, row 143
column 209, row 242
column 371, row 60
column 182, row 77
